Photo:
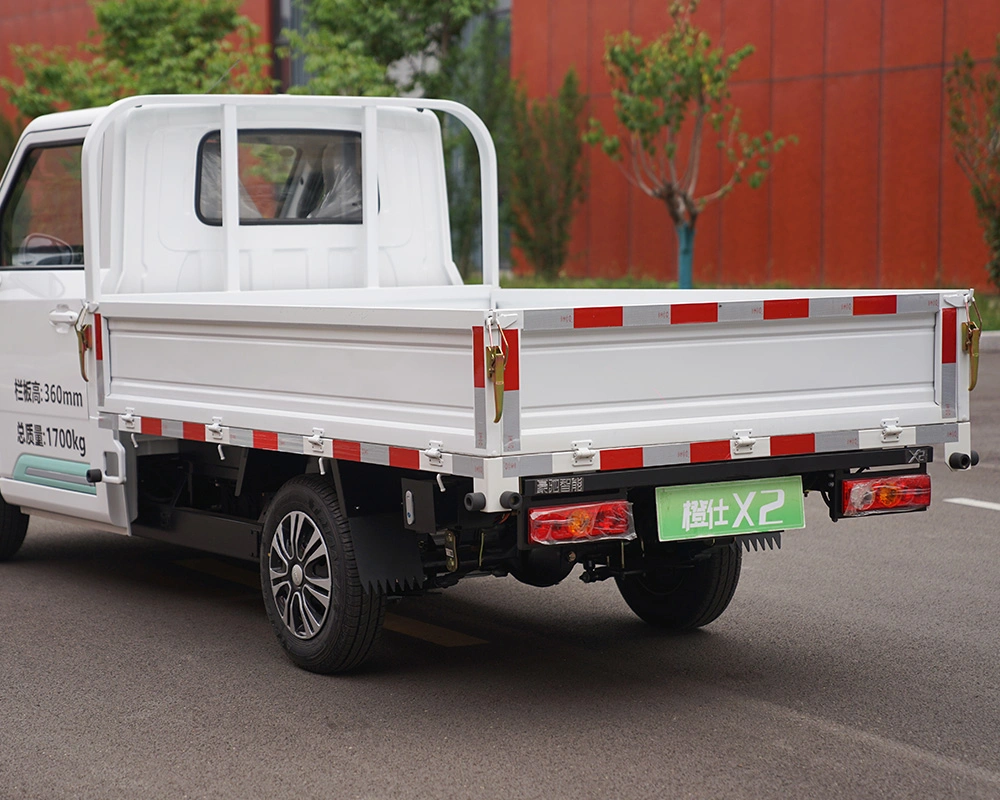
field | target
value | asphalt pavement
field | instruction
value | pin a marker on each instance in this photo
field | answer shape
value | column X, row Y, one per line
column 862, row 660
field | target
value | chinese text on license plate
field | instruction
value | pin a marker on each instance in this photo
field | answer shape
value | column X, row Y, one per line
column 729, row 509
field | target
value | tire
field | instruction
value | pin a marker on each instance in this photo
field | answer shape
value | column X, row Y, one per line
column 13, row 527
column 684, row 597
column 326, row 621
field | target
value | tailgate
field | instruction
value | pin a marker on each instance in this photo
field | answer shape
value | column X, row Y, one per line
column 748, row 375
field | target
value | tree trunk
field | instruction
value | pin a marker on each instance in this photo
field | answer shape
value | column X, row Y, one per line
column 685, row 255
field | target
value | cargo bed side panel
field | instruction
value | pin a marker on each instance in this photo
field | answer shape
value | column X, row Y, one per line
column 405, row 385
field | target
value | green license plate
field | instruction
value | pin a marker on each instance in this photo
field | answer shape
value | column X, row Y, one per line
column 729, row 509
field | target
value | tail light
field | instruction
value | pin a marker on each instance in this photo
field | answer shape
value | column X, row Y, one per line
column 886, row 494
column 589, row 522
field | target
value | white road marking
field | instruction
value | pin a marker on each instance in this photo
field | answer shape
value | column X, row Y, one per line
column 968, row 501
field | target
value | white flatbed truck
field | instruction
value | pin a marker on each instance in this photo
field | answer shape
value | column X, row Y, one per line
column 233, row 323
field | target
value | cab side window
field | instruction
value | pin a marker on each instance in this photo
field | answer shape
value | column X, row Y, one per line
column 41, row 225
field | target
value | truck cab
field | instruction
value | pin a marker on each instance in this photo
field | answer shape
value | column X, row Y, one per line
column 48, row 438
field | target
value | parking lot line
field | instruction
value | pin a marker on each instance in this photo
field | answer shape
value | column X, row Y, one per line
column 968, row 501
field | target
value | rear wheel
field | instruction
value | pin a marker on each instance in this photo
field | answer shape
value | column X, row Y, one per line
column 687, row 596
column 324, row 618
column 13, row 527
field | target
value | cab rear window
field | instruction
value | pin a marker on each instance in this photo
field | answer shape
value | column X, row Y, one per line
column 285, row 177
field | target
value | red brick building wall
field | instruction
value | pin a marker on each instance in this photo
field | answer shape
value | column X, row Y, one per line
column 871, row 196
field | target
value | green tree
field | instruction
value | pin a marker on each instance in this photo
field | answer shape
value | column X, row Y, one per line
column 145, row 47
column 337, row 65
column 381, row 47
column 548, row 177
column 669, row 96
column 419, row 38
column 8, row 140
column 480, row 79
column 974, row 120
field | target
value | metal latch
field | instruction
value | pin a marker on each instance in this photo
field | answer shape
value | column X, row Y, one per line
column 435, row 455
column 215, row 429
column 971, row 331
column 316, row 441
column 84, row 336
column 497, row 353
column 84, row 340
column 743, row 442
column 583, row 454
column 891, row 430
column 496, row 362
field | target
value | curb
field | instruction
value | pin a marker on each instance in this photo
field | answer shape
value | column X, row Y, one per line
column 989, row 342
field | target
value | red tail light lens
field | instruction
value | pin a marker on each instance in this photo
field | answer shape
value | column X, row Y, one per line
column 590, row 522
column 886, row 494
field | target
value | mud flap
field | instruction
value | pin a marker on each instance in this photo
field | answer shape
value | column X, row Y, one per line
column 387, row 554
column 766, row 541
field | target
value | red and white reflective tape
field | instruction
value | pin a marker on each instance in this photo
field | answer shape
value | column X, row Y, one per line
column 316, row 445
column 733, row 449
column 787, row 445
column 731, row 311
column 546, row 463
column 99, row 357
column 98, row 338
column 479, row 384
column 510, row 421
column 949, row 363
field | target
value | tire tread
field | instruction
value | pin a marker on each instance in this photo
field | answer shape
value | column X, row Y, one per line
column 700, row 598
column 13, row 528
column 363, row 613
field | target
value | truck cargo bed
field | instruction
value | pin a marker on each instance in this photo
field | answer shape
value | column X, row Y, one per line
column 618, row 369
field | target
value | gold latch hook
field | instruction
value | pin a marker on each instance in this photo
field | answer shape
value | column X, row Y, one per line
column 496, row 363
column 84, row 341
column 971, row 332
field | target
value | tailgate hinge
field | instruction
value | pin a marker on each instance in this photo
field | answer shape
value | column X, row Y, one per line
column 435, row 454
column 583, row 454
column 128, row 419
column 315, row 441
column 215, row 430
column 891, row 430
column 743, row 442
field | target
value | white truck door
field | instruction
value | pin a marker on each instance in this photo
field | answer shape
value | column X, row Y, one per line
column 49, row 435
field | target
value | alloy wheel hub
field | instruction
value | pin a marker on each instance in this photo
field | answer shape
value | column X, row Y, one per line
column 299, row 573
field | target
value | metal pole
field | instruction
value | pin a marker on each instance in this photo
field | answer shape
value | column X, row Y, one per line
column 369, row 193
column 231, row 196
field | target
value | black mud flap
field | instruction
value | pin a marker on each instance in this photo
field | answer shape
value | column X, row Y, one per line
column 387, row 554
